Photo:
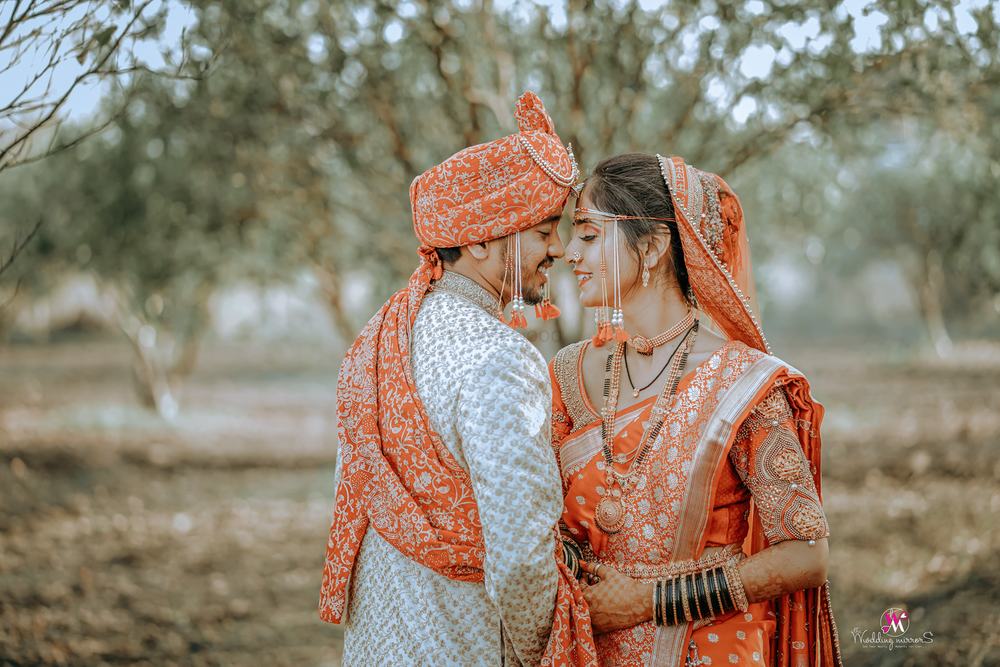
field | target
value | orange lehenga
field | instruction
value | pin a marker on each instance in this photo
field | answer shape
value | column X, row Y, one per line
column 741, row 427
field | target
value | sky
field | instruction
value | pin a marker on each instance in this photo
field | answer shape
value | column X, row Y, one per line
column 86, row 97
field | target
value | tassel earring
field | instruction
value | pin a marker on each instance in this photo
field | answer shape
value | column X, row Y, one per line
column 517, row 318
column 503, row 286
column 604, row 329
column 618, row 315
column 545, row 310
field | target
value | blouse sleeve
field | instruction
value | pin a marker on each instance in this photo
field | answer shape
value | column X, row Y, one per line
column 769, row 459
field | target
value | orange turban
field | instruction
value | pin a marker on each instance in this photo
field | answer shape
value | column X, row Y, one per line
column 491, row 190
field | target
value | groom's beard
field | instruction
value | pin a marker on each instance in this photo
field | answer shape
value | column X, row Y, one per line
column 532, row 292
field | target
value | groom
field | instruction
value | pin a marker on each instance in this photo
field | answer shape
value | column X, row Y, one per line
column 442, row 548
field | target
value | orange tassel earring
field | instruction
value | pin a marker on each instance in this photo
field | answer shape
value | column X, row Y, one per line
column 600, row 315
column 545, row 310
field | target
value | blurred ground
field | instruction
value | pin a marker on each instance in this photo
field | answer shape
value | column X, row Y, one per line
column 127, row 541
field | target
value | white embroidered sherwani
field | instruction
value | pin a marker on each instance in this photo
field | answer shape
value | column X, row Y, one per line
column 486, row 391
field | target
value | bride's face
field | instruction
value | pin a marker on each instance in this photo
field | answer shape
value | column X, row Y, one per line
column 588, row 241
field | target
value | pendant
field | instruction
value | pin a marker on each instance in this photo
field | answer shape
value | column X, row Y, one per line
column 635, row 393
column 610, row 515
column 642, row 345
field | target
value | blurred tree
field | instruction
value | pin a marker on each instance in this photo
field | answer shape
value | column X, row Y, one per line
column 51, row 48
column 716, row 82
column 299, row 149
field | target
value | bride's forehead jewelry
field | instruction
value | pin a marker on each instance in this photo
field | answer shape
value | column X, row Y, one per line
column 583, row 214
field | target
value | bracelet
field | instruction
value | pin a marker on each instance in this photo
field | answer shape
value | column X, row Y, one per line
column 709, row 579
column 707, row 593
column 736, row 592
column 697, row 596
column 668, row 590
column 678, row 607
column 714, row 578
column 685, row 604
column 703, row 606
column 657, row 594
column 725, row 599
column 571, row 555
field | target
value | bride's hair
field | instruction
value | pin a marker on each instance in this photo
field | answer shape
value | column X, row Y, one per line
column 631, row 184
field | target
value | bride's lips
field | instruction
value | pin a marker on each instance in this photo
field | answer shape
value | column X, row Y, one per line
column 582, row 277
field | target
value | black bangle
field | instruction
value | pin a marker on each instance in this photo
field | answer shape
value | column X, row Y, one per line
column 668, row 601
column 657, row 594
column 709, row 577
column 689, row 588
column 701, row 600
column 572, row 555
column 678, row 604
column 727, row 599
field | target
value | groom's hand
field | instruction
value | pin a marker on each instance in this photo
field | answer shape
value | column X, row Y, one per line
column 616, row 601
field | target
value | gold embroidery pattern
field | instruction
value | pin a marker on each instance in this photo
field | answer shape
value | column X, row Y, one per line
column 777, row 474
column 566, row 366
column 467, row 289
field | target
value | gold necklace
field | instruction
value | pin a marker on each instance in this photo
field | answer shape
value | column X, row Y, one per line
column 645, row 346
column 610, row 513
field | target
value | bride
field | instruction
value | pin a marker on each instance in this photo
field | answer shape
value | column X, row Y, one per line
column 690, row 460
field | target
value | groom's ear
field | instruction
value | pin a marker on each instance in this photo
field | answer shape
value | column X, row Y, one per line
column 479, row 250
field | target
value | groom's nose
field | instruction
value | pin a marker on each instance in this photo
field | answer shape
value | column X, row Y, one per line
column 556, row 249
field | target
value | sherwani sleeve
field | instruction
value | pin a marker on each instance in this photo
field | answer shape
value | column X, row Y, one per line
column 504, row 424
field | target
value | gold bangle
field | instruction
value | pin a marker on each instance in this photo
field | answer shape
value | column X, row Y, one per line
column 736, row 590
column 674, row 596
column 694, row 589
column 684, row 599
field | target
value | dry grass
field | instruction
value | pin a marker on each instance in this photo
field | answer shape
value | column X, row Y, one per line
column 124, row 540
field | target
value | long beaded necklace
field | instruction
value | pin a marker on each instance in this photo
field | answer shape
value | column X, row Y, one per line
column 610, row 514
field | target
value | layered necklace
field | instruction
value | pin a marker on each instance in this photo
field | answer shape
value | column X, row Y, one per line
column 610, row 515
column 645, row 346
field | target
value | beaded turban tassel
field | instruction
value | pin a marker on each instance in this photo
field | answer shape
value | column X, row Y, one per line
column 534, row 124
column 494, row 190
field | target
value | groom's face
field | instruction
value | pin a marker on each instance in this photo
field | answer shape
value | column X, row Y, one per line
column 540, row 247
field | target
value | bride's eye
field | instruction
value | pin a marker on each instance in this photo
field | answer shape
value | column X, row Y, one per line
column 588, row 238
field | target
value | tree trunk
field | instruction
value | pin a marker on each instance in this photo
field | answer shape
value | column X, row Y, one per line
column 930, row 301
column 329, row 283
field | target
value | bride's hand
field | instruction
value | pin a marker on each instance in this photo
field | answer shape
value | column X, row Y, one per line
column 617, row 601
